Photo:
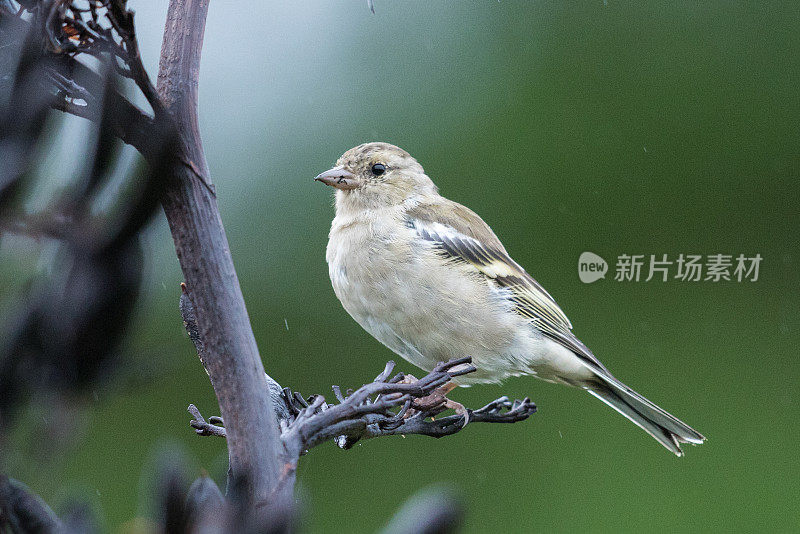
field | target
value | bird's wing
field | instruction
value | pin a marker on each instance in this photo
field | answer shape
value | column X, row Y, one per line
column 461, row 235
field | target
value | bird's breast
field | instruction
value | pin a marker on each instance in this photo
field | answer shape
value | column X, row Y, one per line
column 365, row 260
column 399, row 289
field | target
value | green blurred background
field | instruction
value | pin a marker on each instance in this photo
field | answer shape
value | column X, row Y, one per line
column 614, row 127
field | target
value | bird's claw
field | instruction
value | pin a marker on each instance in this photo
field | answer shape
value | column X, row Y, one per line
column 437, row 402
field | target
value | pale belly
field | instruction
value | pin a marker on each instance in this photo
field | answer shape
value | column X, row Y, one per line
column 428, row 312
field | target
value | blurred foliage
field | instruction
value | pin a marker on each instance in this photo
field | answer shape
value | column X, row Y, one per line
column 63, row 327
column 615, row 127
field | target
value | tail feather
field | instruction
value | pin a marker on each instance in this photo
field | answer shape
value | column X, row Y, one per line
column 664, row 427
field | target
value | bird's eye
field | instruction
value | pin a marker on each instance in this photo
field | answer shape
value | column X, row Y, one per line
column 378, row 169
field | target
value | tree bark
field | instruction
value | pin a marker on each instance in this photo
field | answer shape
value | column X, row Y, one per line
column 232, row 359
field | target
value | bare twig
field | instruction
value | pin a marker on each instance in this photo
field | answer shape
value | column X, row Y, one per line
column 380, row 408
column 230, row 353
column 202, row 427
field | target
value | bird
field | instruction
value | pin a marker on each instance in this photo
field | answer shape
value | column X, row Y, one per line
column 429, row 279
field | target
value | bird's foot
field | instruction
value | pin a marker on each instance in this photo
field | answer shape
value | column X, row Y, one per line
column 430, row 403
column 459, row 408
column 438, row 402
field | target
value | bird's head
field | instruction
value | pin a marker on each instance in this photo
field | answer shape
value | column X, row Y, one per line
column 375, row 175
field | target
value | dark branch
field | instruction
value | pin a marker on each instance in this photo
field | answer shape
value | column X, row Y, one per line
column 380, row 408
column 230, row 354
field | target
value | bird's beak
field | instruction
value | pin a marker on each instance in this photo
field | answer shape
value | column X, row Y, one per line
column 338, row 177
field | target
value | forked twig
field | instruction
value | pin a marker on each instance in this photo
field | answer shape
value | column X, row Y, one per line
column 379, row 408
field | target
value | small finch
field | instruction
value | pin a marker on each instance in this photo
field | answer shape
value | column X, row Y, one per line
column 430, row 280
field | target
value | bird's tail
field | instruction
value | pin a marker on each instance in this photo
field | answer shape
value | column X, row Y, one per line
column 665, row 428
